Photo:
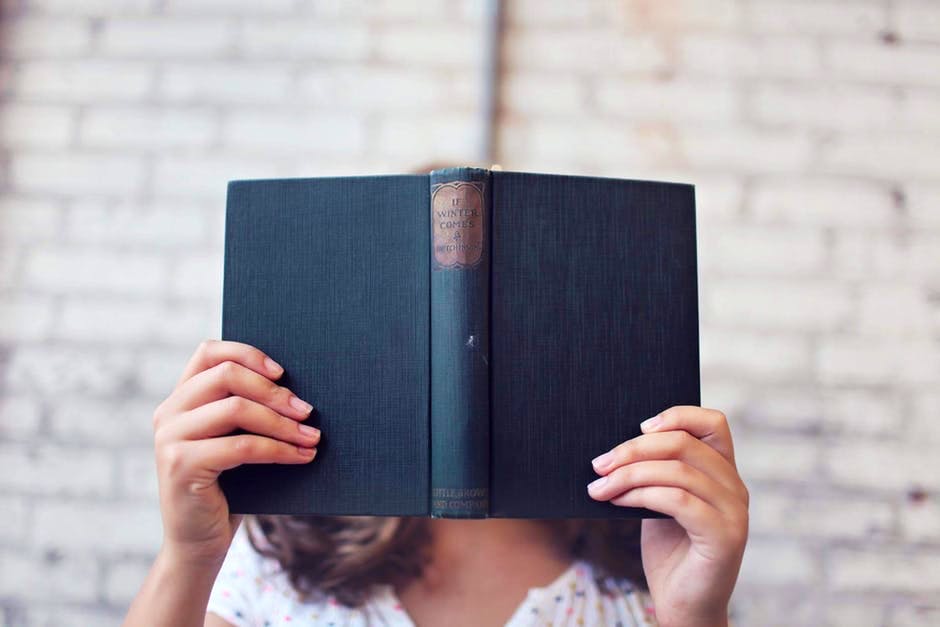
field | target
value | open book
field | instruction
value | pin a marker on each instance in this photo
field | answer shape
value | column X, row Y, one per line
column 470, row 339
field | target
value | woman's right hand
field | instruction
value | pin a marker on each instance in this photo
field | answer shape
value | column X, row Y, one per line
column 225, row 386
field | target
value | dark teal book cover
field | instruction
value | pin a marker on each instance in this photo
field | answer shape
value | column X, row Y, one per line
column 470, row 339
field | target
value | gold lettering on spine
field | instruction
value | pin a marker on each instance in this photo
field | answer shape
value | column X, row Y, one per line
column 457, row 223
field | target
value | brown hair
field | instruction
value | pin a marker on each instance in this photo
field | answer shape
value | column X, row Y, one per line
column 345, row 556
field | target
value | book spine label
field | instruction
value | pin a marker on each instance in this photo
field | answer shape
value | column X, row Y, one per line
column 461, row 205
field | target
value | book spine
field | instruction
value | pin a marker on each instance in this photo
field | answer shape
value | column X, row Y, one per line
column 461, row 206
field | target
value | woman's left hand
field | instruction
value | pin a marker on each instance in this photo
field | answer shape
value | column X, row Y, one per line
column 683, row 466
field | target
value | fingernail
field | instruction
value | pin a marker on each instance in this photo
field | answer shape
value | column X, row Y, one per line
column 272, row 366
column 308, row 430
column 307, row 452
column 597, row 483
column 601, row 461
column 300, row 405
column 651, row 423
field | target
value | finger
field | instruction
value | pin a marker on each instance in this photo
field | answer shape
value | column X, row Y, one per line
column 213, row 352
column 231, row 378
column 672, row 473
column 218, row 454
column 708, row 425
column 223, row 416
column 680, row 445
column 700, row 520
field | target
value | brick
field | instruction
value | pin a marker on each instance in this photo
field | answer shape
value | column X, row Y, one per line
column 671, row 17
column 766, row 605
column 55, row 470
column 116, row 320
column 778, row 304
column 915, row 614
column 856, row 612
column 750, row 57
column 829, row 516
column 918, row 21
column 26, row 318
column 792, row 564
column 83, row 80
column 41, row 577
column 848, row 411
column 758, row 457
column 75, row 174
column 99, row 528
column 28, row 219
column 9, row 266
column 923, row 205
column 161, row 226
column 921, row 423
column 294, row 38
column 755, row 356
column 227, row 7
column 69, row 615
column 159, row 37
column 36, row 125
column 42, row 37
column 20, row 417
column 138, row 475
column 206, row 177
column 551, row 51
column 880, row 465
column 908, row 155
column 83, row 420
column 825, row 106
column 445, row 46
column 872, row 361
column 920, row 520
column 449, row 138
column 912, row 64
column 897, row 310
column 718, row 197
column 533, row 93
column 198, row 275
column 386, row 89
column 90, row 7
column 885, row 570
column 71, row 270
column 666, row 99
column 54, row 371
column 159, row 369
column 791, row 408
column 761, row 251
column 829, row 17
column 123, row 579
column 331, row 134
column 14, row 520
column 568, row 14
column 822, row 202
column 146, row 129
column 741, row 150
column 244, row 82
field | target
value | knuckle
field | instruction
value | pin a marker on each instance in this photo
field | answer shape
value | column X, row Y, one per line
column 245, row 447
column 171, row 459
column 235, row 405
column 227, row 370
column 205, row 347
column 680, row 498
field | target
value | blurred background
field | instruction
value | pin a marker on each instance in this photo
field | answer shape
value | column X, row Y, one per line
column 811, row 129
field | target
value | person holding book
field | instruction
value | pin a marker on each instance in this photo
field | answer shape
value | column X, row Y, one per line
column 227, row 410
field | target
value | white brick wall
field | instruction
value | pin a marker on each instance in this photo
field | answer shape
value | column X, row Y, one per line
column 810, row 127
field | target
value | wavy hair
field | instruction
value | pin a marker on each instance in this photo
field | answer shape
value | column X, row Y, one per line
column 346, row 556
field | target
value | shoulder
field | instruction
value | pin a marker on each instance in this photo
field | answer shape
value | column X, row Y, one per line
column 252, row 588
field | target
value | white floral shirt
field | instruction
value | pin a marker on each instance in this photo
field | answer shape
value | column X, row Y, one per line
column 252, row 591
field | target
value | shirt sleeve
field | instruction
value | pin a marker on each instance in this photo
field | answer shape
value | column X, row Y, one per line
column 238, row 586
